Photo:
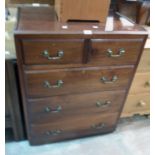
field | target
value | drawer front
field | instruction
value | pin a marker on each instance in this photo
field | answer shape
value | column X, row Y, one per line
column 144, row 64
column 58, row 52
column 58, row 108
column 69, row 81
column 137, row 103
column 115, row 51
column 72, row 128
column 141, row 83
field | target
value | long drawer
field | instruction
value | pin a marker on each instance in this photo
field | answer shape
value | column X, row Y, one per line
column 60, row 107
column 72, row 128
column 76, row 80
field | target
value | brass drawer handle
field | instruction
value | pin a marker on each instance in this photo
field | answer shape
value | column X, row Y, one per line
column 98, row 126
column 103, row 104
column 59, row 84
column 110, row 53
column 105, row 80
column 53, row 132
column 50, row 110
column 141, row 103
column 46, row 54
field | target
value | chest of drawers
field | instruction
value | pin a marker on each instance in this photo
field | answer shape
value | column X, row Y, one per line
column 74, row 77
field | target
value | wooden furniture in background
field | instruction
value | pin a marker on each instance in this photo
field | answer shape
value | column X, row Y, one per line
column 138, row 101
column 144, row 14
column 74, row 83
column 136, row 10
column 13, row 110
column 14, row 122
column 96, row 10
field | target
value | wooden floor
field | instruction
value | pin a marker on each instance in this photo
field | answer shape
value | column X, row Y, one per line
column 130, row 138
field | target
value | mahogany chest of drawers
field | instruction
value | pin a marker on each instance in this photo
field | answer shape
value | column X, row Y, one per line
column 74, row 77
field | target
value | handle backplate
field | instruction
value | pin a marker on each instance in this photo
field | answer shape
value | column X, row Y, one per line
column 47, row 84
column 53, row 132
column 121, row 53
column 105, row 80
column 53, row 110
column 46, row 54
column 103, row 104
column 99, row 126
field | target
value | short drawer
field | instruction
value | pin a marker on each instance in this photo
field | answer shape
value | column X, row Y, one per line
column 137, row 104
column 115, row 51
column 72, row 128
column 63, row 107
column 141, row 83
column 56, row 51
column 76, row 80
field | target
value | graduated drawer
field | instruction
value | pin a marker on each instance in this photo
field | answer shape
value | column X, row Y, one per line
column 72, row 128
column 63, row 107
column 115, row 51
column 137, row 104
column 57, row 51
column 141, row 83
column 43, row 83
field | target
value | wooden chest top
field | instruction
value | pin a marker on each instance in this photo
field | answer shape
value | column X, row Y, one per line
column 43, row 20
